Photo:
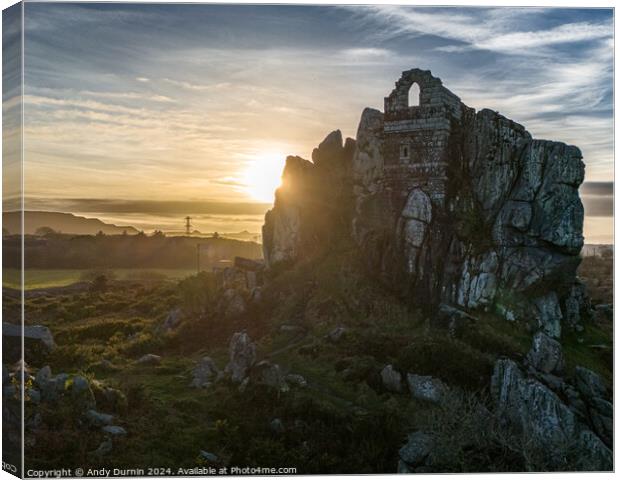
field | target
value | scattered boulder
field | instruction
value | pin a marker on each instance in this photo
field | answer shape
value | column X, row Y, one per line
column 104, row 448
column 33, row 395
column 269, row 374
column 97, row 419
column 173, row 319
column 426, row 388
column 35, row 334
column 336, row 334
column 392, row 379
column 43, row 377
column 149, row 359
column 296, row 380
column 104, row 365
column 114, row 430
column 546, row 354
column 415, row 452
column 242, row 356
column 108, row 397
column 81, row 393
column 205, row 373
column 208, row 456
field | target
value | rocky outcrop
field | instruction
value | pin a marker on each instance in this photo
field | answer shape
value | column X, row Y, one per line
column 312, row 208
column 539, row 412
column 468, row 208
column 449, row 206
column 556, row 413
column 242, row 356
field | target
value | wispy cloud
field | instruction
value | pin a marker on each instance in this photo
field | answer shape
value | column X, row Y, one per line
column 129, row 111
column 498, row 30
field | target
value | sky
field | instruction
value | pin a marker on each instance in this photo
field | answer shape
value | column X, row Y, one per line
column 142, row 113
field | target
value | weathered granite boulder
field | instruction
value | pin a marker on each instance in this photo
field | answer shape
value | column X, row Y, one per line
column 541, row 414
column 296, row 380
column 98, row 419
column 392, row 379
column 414, row 453
column 149, row 359
column 268, row 374
column 38, row 341
column 81, row 393
column 546, row 354
column 426, row 388
column 104, row 448
column 242, row 353
column 114, row 430
column 205, row 373
column 336, row 334
column 208, row 456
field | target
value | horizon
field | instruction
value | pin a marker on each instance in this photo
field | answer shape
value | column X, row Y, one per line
column 201, row 113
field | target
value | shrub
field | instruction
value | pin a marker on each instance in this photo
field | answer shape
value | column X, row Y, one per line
column 449, row 359
column 198, row 292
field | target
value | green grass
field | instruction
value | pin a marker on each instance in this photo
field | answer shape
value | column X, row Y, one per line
column 61, row 278
column 342, row 422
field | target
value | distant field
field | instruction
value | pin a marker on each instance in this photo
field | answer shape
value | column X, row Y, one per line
column 62, row 278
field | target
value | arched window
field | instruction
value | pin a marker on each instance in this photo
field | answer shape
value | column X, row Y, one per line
column 414, row 95
column 404, row 151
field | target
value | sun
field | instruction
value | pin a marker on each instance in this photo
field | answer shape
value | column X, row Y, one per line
column 263, row 175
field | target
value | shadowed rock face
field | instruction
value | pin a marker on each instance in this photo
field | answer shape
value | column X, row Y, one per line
column 449, row 206
column 312, row 208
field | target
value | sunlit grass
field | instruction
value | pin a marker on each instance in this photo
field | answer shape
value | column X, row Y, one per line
column 60, row 278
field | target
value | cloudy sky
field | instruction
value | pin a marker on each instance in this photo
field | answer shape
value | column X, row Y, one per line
column 130, row 108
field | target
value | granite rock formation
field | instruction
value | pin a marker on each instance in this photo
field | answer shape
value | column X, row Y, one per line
column 451, row 206
column 312, row 207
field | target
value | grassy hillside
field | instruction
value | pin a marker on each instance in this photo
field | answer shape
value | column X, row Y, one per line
column 343, row 421
column 36, row 278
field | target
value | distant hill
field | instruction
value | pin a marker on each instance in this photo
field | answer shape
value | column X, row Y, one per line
column 60, row 222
